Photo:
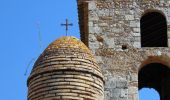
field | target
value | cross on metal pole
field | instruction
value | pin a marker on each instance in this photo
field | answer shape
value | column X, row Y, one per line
column 67, row 25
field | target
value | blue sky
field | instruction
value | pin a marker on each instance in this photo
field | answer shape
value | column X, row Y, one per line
column 19, row 39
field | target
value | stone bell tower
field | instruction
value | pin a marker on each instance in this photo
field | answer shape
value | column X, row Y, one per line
column 130, row 40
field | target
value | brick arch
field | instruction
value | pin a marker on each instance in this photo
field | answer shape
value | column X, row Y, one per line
column 165, row 60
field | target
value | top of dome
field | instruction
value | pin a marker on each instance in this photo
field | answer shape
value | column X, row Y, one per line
column 68, row 42
column 66, row 53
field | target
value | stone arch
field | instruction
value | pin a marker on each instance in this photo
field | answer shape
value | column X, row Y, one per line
column 153, row 10
column 155, row 73
column 153, row 27
column 165, row 60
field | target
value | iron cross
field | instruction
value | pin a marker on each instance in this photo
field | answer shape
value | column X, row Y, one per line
column 67, row 25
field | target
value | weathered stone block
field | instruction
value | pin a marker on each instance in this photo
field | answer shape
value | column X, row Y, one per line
column 109, row 43
column 137, row 45
column 132, row 90
column 92, row 5
column 136, row 34
column 121, row 84
column 129, row 17
column 91, row 24
column 97, row 30
column 124, row 93
column 134, row 24
column 136, row 30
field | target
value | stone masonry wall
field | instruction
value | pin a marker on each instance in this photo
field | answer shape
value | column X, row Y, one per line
column 114, row 23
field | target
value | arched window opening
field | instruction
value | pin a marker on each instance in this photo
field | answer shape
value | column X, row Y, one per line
column 153, row 30
column 148, row 94
column 156, row 76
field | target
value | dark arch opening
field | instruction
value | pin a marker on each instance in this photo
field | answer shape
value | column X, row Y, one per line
column 153, row 30
column 156, row 76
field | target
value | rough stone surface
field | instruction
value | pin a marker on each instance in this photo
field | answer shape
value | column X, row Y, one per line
column 115, row 23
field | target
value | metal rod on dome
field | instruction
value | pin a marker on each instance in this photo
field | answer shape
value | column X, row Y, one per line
column 31, row 61
column 67, row 24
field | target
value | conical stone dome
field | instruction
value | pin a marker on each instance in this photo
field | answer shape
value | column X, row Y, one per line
column 66, row 70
